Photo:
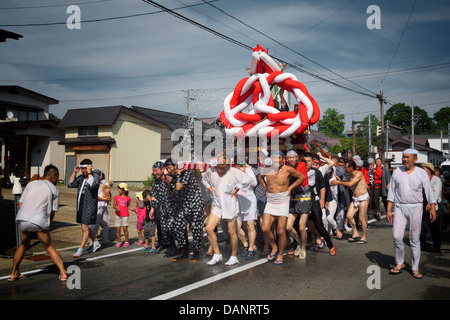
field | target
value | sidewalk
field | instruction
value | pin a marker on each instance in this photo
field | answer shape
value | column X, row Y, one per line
column 65, row 231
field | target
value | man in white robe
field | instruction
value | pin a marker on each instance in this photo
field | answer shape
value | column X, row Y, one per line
column 224, row 181
column 406, row 188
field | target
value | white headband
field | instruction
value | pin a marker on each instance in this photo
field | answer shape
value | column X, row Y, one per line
column 83, row 165
column 411, row 151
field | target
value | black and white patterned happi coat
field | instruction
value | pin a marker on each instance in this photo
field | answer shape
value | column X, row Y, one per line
column 88, row 195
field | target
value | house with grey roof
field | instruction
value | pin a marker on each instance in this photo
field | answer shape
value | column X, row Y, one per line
column 28, row 137
column 174, row 121
column 120, row 141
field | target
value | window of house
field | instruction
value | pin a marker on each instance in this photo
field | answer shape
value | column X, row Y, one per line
column 23, row 115
column 88, row 132
column 32, row 116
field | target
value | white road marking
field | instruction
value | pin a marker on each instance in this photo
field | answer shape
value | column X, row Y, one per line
column 207, row 281
column 186, row 288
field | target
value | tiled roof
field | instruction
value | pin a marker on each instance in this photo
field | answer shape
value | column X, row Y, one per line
column 99, row 116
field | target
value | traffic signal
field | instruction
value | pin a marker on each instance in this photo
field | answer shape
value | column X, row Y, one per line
column 378, row 131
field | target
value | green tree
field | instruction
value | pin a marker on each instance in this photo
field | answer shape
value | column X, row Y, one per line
column 400, row 115
column 362, row 130
column 346, row 144
column 442, row 119
column 332, row 123
column 51, row 116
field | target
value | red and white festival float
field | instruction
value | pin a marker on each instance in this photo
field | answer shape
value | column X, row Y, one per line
column 264, row 119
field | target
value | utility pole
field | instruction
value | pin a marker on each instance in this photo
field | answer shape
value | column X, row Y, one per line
column 412, row 125
column 381, row 99
column 354, row 139
column 387, row 137
column 187, row 103
column 448, row 141
column 370, row 136
column 354, row 136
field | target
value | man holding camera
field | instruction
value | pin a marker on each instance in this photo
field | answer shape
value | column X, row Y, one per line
column 87, row 200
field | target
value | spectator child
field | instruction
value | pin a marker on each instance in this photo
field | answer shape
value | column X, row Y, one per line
column 122, row 205
column 149, row 223
column 140, row 212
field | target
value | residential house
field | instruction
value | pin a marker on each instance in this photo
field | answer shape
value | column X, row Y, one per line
column 28, row 138
column 122, row 142
column 398, row 143
column 193, row 127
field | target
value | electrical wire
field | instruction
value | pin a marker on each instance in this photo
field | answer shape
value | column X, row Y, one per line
column 100, row 19
column 52, row 5
column 288, row 48
column 234, row 41
column 400, row 40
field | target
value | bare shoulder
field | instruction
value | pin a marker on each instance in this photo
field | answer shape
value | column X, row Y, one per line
column 289, row 169
column 358, row 175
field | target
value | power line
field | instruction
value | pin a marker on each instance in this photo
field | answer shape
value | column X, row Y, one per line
column 121, row 97
column 100, row 19
column 52, row 5
column 216, row 33
column 400, row 40
column 412, row 69
column 286, row 47
column 322, row 21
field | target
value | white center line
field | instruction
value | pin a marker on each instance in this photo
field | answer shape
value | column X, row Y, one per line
column 210, row 280
column 186, row 288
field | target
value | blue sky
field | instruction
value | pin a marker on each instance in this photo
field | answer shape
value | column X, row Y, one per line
column 151, row 60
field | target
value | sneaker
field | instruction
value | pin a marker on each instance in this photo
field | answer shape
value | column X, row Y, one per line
column 233, row 260
column 215, row 259
column 95, row 246
column 171, row 252
column 250, row 255
column 196, row 256
column 140, row 243
column 302, row 255
column 118, row 245
column 181, row 257
column 151, row 250
column 244, row 252
column 297, row 251
column 78, row 253
column 126, row 244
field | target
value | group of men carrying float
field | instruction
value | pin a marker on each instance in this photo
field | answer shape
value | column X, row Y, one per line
column 292, row 189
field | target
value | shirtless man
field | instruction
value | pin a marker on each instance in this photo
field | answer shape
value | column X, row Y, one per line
column 276, row 183
column 300, row 205
column 361, row 200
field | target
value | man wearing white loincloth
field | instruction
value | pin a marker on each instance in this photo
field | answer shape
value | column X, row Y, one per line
column 276, row 182
column 406, row 190
column 224, row 182
column 360, row 202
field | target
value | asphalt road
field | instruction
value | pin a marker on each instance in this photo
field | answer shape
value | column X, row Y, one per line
column 357, row 272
